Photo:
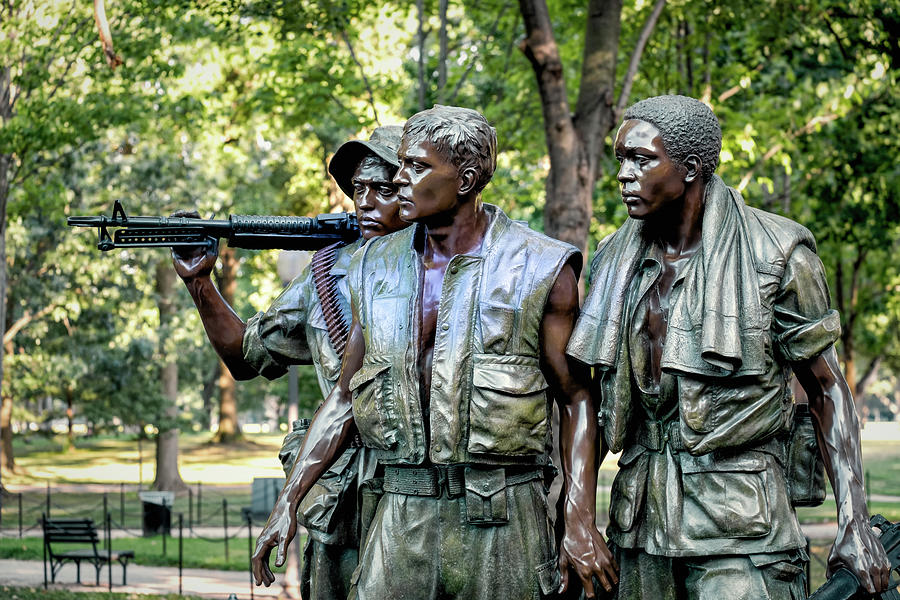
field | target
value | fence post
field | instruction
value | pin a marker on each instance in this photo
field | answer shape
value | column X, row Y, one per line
column 199, row 503
column 121, row 505
column 164, row 538
column 44, row 528
column 225, row 524
column 20, row 514
column 180, row 549
column 108, row 525
column 250, row 548
column 105, row 505
column 48, row 499
column 190, row 508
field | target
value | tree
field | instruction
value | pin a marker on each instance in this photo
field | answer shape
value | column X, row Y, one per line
column 575, row 140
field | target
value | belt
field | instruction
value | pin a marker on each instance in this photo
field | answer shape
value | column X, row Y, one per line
column 654, row 435
column 434, row 481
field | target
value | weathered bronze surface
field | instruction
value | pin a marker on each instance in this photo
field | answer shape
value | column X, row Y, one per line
column 295, row 330
column 700, row 309
column 456, row 348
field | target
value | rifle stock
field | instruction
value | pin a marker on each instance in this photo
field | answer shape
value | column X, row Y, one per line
column 255, row 232
column 843, row 584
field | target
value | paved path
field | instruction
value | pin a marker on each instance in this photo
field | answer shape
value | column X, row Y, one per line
column 141, row 580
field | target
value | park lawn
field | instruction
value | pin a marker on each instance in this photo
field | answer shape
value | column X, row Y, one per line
column 114, row 460
column 198, row 553
column 17, row 593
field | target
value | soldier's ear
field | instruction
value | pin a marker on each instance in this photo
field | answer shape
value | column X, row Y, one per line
column 467, row 180
column 693, row 167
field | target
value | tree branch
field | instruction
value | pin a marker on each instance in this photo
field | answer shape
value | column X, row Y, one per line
column 362, row 73
column 868, row 377
column 23, row 322
column 493, row 31
column 112, row 59
column 805, row 130
column 637, row 53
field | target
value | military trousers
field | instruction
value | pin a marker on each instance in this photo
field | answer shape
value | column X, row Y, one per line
column 775, row 576
column 326, row 571
column 424, row 548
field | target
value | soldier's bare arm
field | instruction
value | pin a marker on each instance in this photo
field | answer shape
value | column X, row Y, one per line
column 583, row 549
column 329, row 435
column 837, row 429
column 224, row 328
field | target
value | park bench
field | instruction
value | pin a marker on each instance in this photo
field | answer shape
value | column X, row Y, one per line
column 77, row 531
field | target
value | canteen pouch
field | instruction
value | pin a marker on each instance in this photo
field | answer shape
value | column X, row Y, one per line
column 804, row 468
column 486, row 496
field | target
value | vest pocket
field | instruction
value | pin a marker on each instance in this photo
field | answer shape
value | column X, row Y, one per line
column 374, row 408
column 629, row 487
column 508, row 412
column 725, row 497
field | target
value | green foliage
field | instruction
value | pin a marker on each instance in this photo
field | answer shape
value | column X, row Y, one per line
column 232, row 107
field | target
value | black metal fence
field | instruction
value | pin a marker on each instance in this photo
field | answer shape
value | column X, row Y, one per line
column 201, row 512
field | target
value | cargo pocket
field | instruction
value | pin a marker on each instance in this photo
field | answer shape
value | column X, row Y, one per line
column 508, row 412
column 318, row 506
column 629, row 488
column 725, row 497
column 548, row 577
column 497, row 326
column 373, row 405
column 486, row 496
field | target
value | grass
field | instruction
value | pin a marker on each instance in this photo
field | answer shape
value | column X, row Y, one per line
column 197, row 553
column 114, row 460
column 17, row 593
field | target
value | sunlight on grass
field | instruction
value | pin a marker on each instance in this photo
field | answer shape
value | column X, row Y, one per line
column 118, row 461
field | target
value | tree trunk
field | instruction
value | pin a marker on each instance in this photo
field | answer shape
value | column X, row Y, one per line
column 6, row 450
column 420, row 38
column 573, row 141
column 442, row 53
column 229, row 429
column 7, row 459
column 70, row 416
column 167, row 475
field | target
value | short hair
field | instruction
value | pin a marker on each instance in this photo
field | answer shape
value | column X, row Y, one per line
column 462, row 135
column 686, row 126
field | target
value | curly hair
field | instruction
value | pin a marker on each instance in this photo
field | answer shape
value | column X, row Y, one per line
column 686, row 126
column 462, row 135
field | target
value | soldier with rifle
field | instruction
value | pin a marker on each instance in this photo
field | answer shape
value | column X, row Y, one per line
column 308, row 323
column 455, row 353
column 700, row 308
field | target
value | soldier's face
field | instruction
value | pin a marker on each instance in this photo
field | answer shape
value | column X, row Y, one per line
column 650, row 181
column 428, row 182
column 375, row 197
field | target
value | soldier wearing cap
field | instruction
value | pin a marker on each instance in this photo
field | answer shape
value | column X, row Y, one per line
column 307, row 324
column 455, row 353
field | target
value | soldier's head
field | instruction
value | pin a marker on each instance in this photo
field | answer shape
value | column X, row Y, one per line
column 447, row 155
column 666, row 144
column 364, row 170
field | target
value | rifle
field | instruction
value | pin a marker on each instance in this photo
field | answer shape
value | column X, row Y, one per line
column 844, row 585
column 252, row 232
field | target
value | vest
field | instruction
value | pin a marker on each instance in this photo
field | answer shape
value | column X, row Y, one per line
column 489, row 401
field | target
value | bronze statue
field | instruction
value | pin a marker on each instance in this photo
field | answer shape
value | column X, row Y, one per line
column 308, row 324
column 699, row 309
column 456, row 347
